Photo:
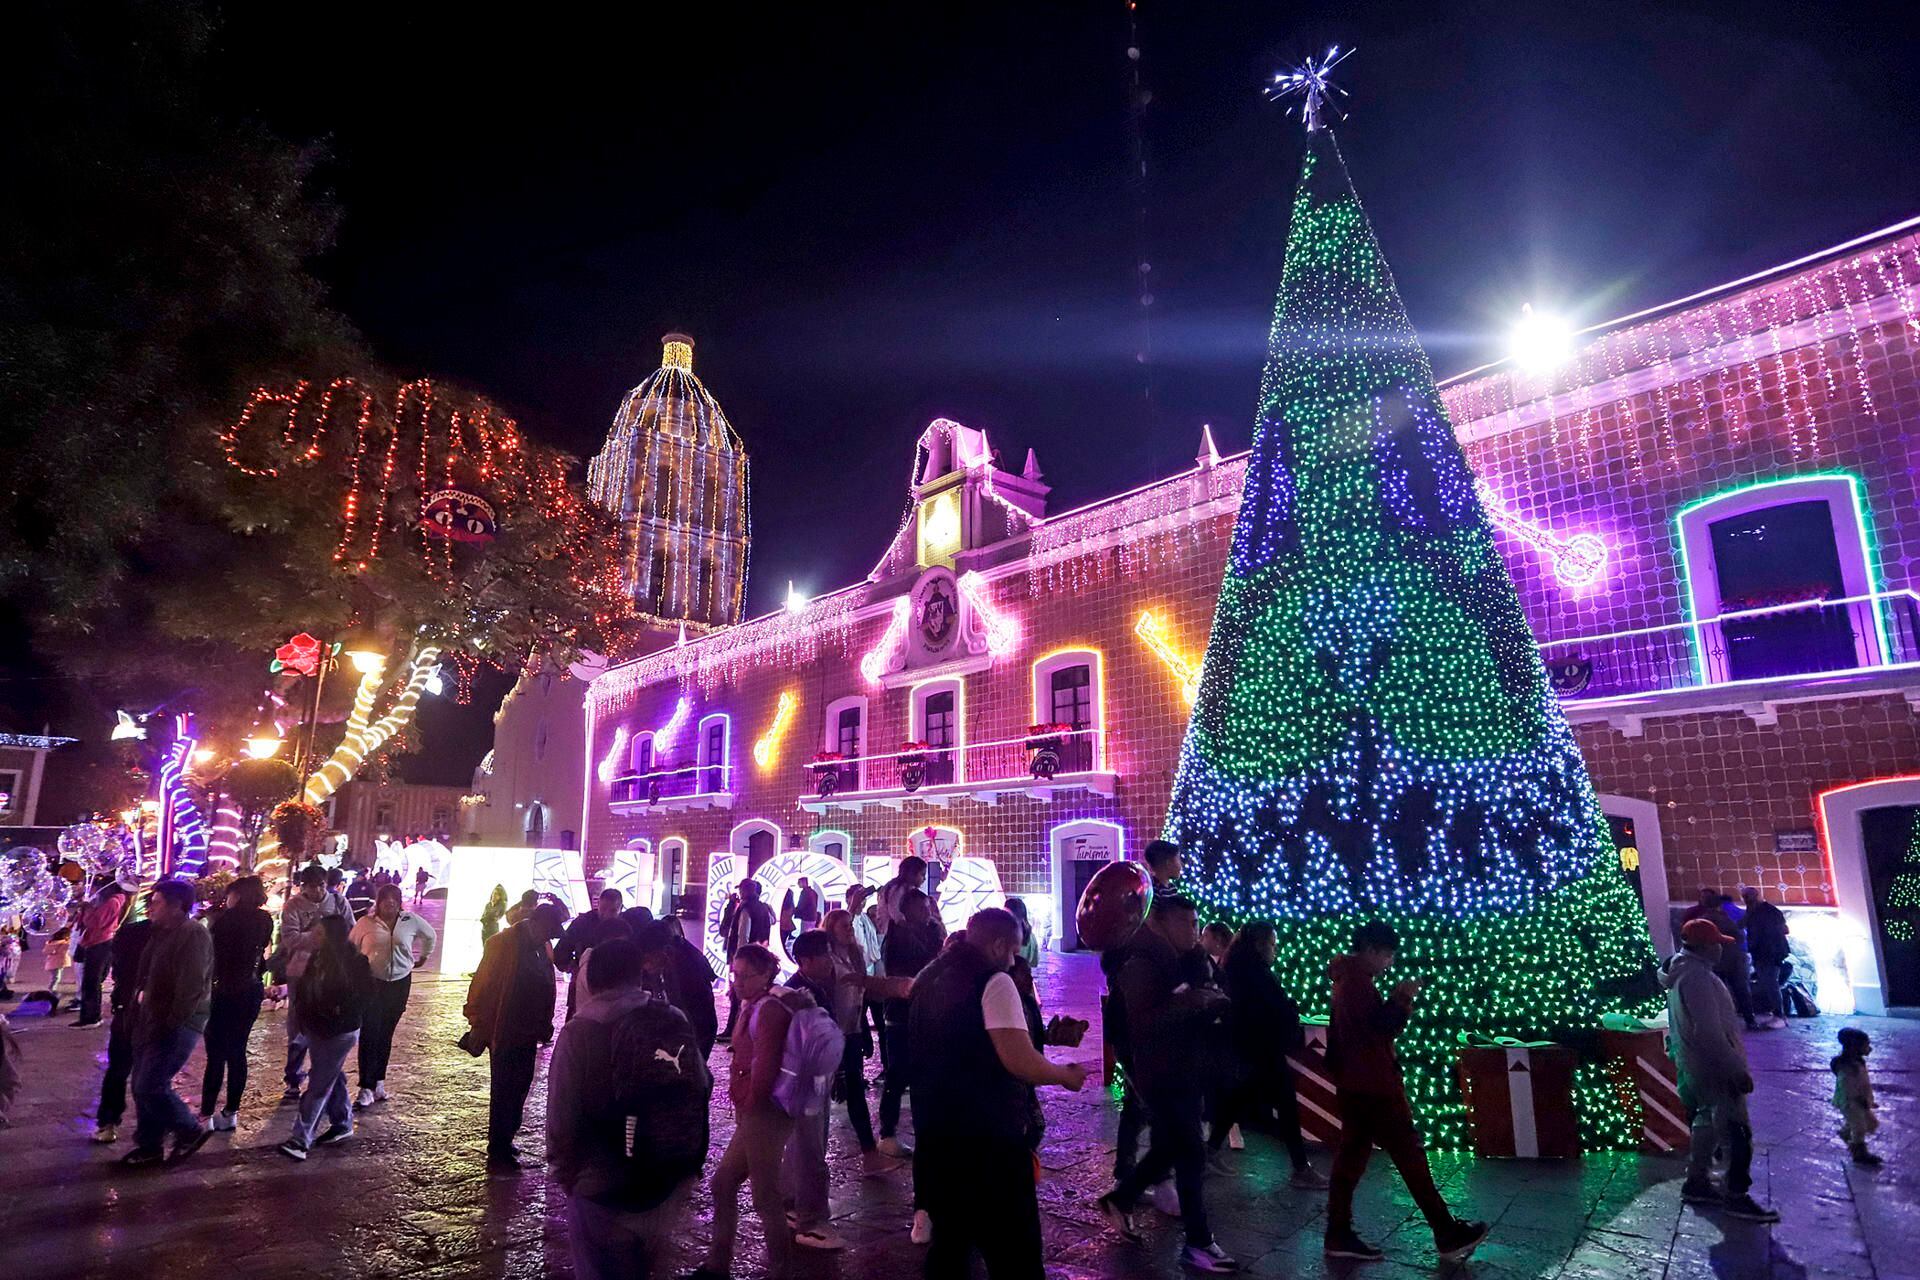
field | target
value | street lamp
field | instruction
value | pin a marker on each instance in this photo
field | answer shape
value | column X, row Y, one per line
column 263, row 747
column 367, row 661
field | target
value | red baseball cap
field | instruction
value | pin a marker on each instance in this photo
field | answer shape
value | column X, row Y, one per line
column 1699, row 931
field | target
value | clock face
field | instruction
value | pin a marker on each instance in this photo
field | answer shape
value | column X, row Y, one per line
column 939, row 614
column 940, row 528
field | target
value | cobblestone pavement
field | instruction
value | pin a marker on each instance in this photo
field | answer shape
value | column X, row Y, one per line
column 407, row 1195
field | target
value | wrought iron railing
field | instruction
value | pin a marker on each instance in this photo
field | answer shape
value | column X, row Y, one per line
column 688, row 779
column 1005, row 760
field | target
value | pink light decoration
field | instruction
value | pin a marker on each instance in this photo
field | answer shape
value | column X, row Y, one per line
column 1578, row 561
column 609, row 767
column 1003, row 633
column 663, row 737
column 873, row 663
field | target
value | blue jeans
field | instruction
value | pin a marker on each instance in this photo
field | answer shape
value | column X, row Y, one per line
column 157, row 1109
column 326, row 1087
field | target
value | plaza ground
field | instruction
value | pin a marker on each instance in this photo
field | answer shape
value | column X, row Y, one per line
column 407, row 1196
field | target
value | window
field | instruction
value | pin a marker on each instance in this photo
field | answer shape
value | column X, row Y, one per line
column 383, row 816
column 663, row 492
column 936, row 716
column 712, row 760
column 536, row 825
column 711, row 513
column 707, row 606
column 657, row 582
column 540, row 736
column 442, row 819
column 844, row 732
column 1783, row 547
column 1068, row 689
column 672, row 871
column 640, row 754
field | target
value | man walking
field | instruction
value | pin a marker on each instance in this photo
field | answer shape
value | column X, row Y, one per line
column 510, row 1012
column 974, row 1064
column 1373, row 1099
column 1165, row 1016
column 1766, row 929
column 387, row 936
column 129, row 949
column 298, row 914
column 176, row 997
column 750, row 923
column 99, row 922
column 1704, row 1034
column 627, row 1095
column 1163, row 868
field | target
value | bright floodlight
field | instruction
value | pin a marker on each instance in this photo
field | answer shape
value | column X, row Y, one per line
column 1540, row 342
column 796, row 600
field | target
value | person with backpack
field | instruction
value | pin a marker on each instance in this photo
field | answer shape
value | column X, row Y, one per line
column 331, row 999
column 509, row 1012
column 627, row 1126
column 814, row 1031
column 974, row 1064
column 678, row 971
column 760, row 1127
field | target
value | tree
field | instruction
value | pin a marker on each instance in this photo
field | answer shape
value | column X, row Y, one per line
column 1374, row 735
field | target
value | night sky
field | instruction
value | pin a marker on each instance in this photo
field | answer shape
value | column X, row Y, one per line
column 869, row 218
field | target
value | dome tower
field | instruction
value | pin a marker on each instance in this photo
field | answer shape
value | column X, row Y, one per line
column 675, row 473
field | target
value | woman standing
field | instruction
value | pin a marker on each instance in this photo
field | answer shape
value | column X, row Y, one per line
column 493, row 913
column 329, row 998
column 1266, row 1027
column 910, row 944
column 386, row 936
column 242, row 932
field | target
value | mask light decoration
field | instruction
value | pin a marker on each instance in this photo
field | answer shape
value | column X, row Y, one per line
column 873, row 663
column 458, row 516
column 1003, row 633
column 1153, row 634
column 767, row 746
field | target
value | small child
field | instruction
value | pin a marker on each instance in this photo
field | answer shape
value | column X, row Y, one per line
column 59, row 955
column 1853, row 1095
column 9, row 959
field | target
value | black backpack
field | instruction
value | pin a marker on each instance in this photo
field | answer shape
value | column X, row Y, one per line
column 661, row 1087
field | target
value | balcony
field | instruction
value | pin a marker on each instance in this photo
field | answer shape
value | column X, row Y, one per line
column 983, row 771
column 1749, row 660
column 690, row 786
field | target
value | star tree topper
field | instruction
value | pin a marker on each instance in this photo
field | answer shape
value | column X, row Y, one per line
column 1311, row 82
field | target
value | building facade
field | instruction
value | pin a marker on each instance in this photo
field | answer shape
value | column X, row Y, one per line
column 1708, row 510
column 370, row 811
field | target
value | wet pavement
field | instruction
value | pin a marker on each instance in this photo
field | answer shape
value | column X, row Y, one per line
column 407, row 1196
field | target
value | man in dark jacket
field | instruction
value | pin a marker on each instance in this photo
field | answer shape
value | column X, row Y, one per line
column 677, row 969
column 1767, row 943
column 1735, row 967
column 974, row 1062
column 1373, row 1099
column 588, row 930
column 510, row 1010
column 176, row 997
column 129, row 948
column 1165, row 1016
column 747, row 921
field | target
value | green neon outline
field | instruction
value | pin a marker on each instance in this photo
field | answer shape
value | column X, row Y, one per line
column 1863, row 521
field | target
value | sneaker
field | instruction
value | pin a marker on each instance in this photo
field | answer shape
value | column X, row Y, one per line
column 106, row 1133
column 1459, row 1240
column 1209, row 1258
column 290, row 1094
column 1310, row 1177
column 1236, row 1141
column 293, row 1149
column 1345, row 1244
column 1749, row 1209
column 821, row 1238
column 224, row 1121
column 1776, row 1023
column 922, row 1232
column 1700, row 1192
column 364, row 1098
column 187, row 1144
column 1865, row 1158
column 86, row 1022
column 895, row 1148
column 141, row 1156
column 379, row 1090
column 877, row 1163
column 335, row 1133
column 1119, row 1219
column 503, row 1164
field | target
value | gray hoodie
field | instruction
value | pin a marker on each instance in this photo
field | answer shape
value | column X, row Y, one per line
column 1703, row 1030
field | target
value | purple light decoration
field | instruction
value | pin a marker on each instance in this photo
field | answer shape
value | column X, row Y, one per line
column 180, row 818
column 1578, row 561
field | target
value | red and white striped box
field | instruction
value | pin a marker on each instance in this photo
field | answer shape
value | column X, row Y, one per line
column 1648, row 1085
column 1520, row 1101
column 1313, row 1089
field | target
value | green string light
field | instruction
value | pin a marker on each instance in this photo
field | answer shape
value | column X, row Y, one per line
column 1374, row 736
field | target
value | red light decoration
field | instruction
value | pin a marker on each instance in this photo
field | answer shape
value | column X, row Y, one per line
column 300, row 654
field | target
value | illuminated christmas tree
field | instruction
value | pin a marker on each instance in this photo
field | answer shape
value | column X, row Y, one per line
column 1375, row 737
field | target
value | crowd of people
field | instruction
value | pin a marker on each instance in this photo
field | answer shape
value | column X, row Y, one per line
column 1197, row 1020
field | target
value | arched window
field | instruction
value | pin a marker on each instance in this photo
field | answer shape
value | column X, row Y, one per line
column 1069, row 687
column 536, row 822
column 713, row 744
column 844, row 732
column 640, row 754
column 936, row 715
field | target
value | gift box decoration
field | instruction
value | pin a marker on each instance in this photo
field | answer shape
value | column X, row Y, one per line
column 1520, row 1100
column 1313, row 1089
column 1648, row 1084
